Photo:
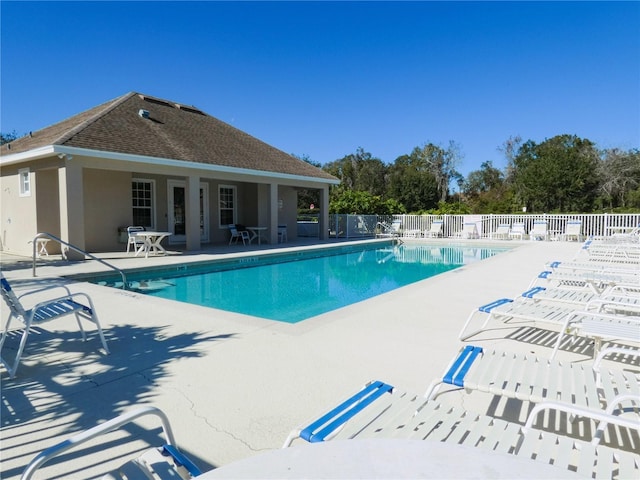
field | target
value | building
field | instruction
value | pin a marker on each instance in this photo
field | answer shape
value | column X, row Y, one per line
column 141, row 160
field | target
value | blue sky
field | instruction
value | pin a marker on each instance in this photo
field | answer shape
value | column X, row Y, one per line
column 323, row 78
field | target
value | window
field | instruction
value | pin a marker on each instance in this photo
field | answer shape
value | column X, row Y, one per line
column 227, row 200
column 142, row 196
column 25, row 182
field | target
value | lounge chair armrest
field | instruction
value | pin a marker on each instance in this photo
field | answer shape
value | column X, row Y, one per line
column 98, row 430
column 320, row 429
column 634, row 352
column 45, row 289
column 604, row 417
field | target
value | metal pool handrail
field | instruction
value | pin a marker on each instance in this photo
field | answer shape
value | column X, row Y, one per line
column 76, row 249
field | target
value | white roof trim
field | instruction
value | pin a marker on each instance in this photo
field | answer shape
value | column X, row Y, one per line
column 60, row 149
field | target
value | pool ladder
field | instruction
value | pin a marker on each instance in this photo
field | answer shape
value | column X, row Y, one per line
column 76, row 249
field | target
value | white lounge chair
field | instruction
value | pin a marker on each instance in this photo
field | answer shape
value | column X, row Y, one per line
column 581, row 298
column 238, row 234
column 469, row 231
column 539, row 231
column 597, row 280
column 381, row 411
column 523, row 309
column 502, row 232
column 435, row 230
column 43, row 312
column 533, row 379
column 393, row 229
column 517, row 231
column 572, row 230
column 165, row 462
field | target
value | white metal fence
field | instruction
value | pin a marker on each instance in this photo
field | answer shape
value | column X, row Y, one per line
column 362, row 226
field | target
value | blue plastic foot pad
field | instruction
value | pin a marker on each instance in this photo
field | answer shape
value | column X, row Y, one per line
column 455, row 375
column 344, row 412
column 181, row 459
column 533, row 291
column 490, row 306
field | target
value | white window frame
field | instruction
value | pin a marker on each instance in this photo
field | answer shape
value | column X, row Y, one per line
column 234, row 209
column 24, row 178
column 153, row 200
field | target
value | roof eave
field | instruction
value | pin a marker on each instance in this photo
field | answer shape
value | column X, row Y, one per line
column 167, row 162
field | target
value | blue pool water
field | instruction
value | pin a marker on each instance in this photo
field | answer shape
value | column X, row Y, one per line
column 296, row 287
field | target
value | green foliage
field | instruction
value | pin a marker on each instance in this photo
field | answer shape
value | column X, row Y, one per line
column 559, row 174
column 359, row 202
column 449, row 208
column 562, row 174
column 412, row 184
column 359, row 171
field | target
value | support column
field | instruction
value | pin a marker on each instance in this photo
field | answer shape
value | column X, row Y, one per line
column 71, row 189
column 324, row 214
column 192, row 214
column 273, row 213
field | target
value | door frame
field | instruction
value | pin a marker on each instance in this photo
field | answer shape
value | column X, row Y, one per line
column 204, row 211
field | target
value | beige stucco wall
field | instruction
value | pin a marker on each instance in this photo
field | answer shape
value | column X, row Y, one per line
column 18, row 223
column 107, row 206
column 287, row 215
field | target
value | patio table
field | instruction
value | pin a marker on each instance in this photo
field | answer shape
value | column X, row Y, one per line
column 151, row 242
column 256, row 232
column 386, row 459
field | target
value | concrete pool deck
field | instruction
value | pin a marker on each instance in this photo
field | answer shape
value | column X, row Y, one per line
column 234, row 386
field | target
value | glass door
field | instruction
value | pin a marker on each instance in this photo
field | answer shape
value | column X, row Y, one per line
column 176, row 211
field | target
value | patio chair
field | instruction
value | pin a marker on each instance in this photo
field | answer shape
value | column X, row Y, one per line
column 539, row 231
column 469, row 230
column 517, row 231
column 435, row 230
column 382, row 411
column 165, row 462
column 502, row 232
column 133, row 240
column 572, row 230
column 43, row 312
column 238, row 234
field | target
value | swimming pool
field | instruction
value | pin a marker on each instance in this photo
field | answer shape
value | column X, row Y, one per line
column 293, row 287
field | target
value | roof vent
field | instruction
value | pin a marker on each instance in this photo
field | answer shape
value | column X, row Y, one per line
column 143, row 113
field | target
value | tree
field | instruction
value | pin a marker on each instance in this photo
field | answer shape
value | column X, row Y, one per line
column 487, row 191
column 359, row 171
column 510, row 149
column 440, row 162
column 619, row 172
column 308, row 196
column 8, row 137
column 559, row 174
column 412, row 184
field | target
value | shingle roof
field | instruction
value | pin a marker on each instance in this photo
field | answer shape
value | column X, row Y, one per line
column 172, row 131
